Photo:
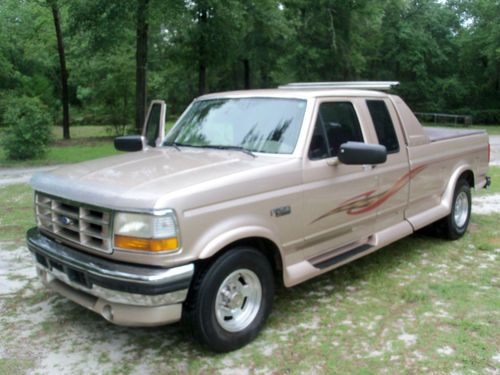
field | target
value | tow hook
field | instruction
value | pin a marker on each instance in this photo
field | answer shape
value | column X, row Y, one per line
column 488, row 182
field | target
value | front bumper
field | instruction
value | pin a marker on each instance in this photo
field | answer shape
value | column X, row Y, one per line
column 124, row 294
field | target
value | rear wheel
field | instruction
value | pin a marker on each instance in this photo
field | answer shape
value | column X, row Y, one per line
column 456, row 223
column 230, row 300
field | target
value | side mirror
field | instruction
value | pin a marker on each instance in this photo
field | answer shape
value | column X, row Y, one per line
column 358, row 153
column 129, row 143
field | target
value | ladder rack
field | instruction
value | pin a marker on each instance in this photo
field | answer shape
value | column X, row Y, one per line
column 360, row 85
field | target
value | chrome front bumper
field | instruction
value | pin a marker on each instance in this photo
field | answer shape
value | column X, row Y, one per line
column 122, row 293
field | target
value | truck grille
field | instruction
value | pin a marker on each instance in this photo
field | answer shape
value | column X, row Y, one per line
column 73, row 222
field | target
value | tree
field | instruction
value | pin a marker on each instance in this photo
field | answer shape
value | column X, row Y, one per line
column 444, row 50
column 141, row 62
column 479, row 57
column 62, row 66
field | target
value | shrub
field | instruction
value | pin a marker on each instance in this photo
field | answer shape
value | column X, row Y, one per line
column 29, row 129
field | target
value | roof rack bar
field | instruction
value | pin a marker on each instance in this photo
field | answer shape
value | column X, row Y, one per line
column 363, row 85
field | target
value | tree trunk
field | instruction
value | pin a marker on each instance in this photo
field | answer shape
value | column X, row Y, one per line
column 246, row 68
column 202, row 55
column 202, row 78
column 64, row 73
column 141, row 63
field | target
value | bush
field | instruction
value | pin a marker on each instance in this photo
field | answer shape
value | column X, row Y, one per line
column 29, row 129
column 486, row 116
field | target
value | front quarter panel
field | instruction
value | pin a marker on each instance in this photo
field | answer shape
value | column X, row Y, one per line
column 242, row 210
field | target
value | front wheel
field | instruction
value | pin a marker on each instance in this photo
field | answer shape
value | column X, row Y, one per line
column 230, row 300
column 456, row 223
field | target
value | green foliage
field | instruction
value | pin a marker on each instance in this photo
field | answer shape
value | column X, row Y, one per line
column 445, row 53
column 29, row 131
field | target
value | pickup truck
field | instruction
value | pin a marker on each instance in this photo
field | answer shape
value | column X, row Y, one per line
column 247, row 189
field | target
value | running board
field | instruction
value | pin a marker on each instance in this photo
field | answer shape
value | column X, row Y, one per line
column 343, row 256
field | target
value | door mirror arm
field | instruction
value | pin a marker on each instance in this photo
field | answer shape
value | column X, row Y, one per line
column 333, row 162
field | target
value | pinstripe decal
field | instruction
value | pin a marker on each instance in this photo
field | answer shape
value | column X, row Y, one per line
column 368, row 201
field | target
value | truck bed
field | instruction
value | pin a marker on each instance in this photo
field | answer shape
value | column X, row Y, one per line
column 439, row 134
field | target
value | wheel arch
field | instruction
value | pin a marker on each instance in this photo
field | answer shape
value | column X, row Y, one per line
column 468, row 175
column 263, row 244
column 464, row 171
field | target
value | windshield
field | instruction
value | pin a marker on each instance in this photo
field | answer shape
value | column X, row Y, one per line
column 269, row 125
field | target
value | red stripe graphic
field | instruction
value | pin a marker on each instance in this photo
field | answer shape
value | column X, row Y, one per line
column 367, row 201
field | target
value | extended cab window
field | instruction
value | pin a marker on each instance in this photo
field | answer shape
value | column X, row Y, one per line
column 383, row 125
column 336, row 123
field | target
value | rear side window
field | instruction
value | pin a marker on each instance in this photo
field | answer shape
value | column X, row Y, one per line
column 336, row 123
column 383, row 125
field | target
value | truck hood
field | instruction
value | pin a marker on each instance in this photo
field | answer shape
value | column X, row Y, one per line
column 138, row 180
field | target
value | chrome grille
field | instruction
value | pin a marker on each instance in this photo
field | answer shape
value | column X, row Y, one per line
column 73, row 222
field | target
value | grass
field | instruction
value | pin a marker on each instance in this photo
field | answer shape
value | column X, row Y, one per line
column 61, row 154
column 87, row 131
column 86, row 143
column 16, row 205
column 420, row 305
column 491, row 129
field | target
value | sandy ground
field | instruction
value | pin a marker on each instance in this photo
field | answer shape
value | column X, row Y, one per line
column 49, row 335
column 495, row 149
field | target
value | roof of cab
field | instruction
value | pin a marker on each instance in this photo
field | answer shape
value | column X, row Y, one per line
column 295, row 93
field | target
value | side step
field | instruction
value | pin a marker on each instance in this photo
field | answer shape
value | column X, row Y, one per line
column 342, row 257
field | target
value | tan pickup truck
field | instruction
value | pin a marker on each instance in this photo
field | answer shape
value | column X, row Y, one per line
column 247, row 189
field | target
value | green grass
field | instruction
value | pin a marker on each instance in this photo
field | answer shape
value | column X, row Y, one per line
column 87, row 143
column 14, row 366
column 491, row 129
column 87, row 131
column 16, row 206
column 420, row 305
column 62, row 154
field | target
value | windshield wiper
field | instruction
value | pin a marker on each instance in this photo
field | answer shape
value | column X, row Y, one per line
column 217, row 147
column 235, row 148
column 174, row 145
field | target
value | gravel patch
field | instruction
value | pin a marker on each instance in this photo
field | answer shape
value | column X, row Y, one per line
column 486, row 204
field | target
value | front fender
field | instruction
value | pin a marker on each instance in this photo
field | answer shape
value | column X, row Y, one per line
column 227, row 237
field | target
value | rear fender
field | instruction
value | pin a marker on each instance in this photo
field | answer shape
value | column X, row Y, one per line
column 447, row 197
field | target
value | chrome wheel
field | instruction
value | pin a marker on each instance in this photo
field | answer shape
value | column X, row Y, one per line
column 461, row 209
column 238, row 300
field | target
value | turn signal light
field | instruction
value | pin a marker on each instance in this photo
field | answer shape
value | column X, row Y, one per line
column 146, row 244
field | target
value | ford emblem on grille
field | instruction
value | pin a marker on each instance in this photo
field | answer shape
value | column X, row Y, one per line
column 64, row 220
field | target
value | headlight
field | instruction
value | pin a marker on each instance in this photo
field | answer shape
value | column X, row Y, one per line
column 146, row 232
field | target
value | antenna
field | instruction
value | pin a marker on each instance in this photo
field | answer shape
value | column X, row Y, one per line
column 360, row 85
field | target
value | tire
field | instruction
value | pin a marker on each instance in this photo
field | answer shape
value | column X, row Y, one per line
column 456, row 223
column 231, row 299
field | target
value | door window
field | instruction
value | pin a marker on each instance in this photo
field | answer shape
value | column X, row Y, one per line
column 337, row 123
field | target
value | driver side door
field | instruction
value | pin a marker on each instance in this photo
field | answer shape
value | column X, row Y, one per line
column 336, row 196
